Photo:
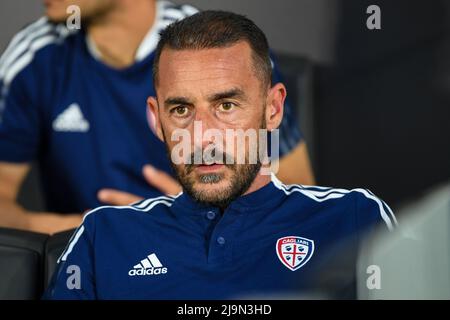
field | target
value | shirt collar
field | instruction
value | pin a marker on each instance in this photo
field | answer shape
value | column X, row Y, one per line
column 262, row 199
column 150, row 41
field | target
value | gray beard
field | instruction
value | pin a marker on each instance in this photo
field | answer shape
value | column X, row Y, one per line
column 243, row 177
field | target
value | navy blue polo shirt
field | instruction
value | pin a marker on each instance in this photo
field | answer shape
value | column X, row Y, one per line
column 84, row 122
column 278, row 240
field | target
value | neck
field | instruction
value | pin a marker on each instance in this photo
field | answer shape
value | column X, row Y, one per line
column 260, row 181
column 118, row 33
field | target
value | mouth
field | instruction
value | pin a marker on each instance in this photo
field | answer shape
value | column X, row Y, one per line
column 214, row 167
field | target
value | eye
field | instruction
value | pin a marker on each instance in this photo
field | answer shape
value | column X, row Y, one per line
column 180, row 111
column 227, row 106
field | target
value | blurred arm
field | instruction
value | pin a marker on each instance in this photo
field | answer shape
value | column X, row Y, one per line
column 295, row 167
column 12, row 215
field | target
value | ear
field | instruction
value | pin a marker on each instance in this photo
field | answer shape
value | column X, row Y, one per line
column 152, row 105
column 275, row 106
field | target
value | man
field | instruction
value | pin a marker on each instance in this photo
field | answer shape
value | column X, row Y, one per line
column 235, row 231
column 74, row 101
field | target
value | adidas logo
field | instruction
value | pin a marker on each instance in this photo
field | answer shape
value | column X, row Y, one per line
column 71, row 120
column 148, row 266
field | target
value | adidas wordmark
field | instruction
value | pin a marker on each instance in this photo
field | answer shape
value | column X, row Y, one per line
column 148, row 266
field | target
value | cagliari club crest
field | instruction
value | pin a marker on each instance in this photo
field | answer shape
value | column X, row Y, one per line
column 294, row 252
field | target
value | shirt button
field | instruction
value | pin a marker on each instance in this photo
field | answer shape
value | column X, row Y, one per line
column 210, row 215
column 221, row 241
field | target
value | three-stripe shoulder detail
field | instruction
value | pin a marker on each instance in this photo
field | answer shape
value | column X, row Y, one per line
column 142, row 206
column 173, row 12
column 321, row 194
column 24, row 45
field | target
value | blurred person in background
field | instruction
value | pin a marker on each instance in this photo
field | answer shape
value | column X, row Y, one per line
column 74, row 100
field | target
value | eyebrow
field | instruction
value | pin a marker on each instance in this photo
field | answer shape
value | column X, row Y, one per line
column 177, row 101
column 232, row 93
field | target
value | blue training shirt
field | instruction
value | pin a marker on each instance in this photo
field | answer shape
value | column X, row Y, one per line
column 277, row 241
column 86, row 123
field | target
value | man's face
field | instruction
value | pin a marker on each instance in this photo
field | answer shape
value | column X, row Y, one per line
column 219, row 88
column 55, row 10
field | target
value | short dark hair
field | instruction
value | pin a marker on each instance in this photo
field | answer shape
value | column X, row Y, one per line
column 216, row 29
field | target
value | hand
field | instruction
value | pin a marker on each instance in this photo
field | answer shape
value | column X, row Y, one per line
column 161, row 180
column 157, row 178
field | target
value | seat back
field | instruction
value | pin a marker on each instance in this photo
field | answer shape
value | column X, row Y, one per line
column 21, row 264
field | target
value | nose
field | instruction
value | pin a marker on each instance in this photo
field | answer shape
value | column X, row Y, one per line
column 206, row 130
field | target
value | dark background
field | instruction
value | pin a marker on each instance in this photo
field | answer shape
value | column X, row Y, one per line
column 379, row 100
column 383, row 107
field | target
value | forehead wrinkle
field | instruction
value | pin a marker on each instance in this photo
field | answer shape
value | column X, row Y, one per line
column 205, row 60
column 209, row 72
column 202, row 73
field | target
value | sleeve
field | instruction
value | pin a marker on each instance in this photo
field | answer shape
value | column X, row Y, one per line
column 371, row 211
column 290, row 134
column 19, row 115
column 74, row 275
